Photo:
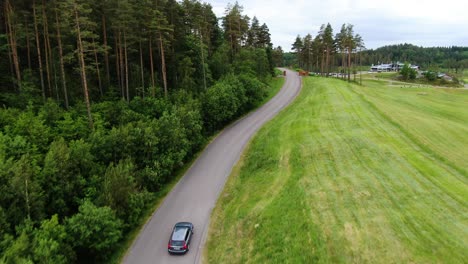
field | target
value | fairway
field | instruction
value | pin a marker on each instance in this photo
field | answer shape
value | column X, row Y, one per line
column 351, row 174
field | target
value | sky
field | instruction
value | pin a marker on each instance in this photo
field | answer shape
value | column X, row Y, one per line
column 426, row 23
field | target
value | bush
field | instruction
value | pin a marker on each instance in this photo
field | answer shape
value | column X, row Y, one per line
column 49, row 243
column 94, row 230
column 408, row 73
column 222, row 102
column 138, row 204
column 430, row 76
column 118, row 186
column 255, row 91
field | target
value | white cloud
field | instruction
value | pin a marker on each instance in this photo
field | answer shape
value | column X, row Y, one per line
column 425, row 23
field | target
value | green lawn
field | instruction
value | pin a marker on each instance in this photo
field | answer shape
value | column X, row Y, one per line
column 349, row 174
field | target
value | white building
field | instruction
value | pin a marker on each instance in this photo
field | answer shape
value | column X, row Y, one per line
column 390, row 67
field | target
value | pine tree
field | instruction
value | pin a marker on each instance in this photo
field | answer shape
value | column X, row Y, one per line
column 11, row 30
column 58, row 26
column 83, row 31
column 327, row 38
column 38, row 47
column 306, row 52
column 254, row 33
column 340, row 43
column 161, row 29
column 235, row 27
column 350, row 45
column 297, row 49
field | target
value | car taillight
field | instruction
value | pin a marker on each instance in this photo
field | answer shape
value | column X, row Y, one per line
column 185, row 246
column 169, row 245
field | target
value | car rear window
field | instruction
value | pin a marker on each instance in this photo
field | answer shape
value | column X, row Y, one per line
column 179, row 233
column 177, row 243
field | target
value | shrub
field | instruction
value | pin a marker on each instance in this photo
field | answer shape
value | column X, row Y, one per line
column 94, row 230
column 430, row 76
column 255, row 91
column 408, row 73
column 221, row 103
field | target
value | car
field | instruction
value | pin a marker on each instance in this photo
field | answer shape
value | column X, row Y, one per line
column 179, row 242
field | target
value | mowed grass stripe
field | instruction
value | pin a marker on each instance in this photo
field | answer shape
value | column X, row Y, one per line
column 446, row 142
column 332, row 180
column 436, row 118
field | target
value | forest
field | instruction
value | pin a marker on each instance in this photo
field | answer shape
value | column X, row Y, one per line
column 102, row 102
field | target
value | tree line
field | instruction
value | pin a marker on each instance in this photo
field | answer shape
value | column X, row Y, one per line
column 327, row 52
column 102, row 103
column 345, row 51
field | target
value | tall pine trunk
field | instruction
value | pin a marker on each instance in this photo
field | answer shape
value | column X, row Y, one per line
column 38, row 46
column 349, row 64
column 12, row 42
column 98, row 70
column 322, row 63
column 354, row 66
column 47, row 54
column 83, row 66
column 56, row 85
column 28, row 45
column 121, row 66
column 10, row 60
column 360, row 65
column 203, row 60
column 106, row 52
column 163, row 64
column 153, row 84
column 343, row 63
column 62, row 64
column 142, row 70
column 126, row 68
column 117, row 61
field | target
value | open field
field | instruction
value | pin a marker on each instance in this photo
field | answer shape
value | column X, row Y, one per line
column 349, row 174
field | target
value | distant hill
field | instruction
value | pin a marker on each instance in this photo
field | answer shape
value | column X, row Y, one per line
column 454, row 57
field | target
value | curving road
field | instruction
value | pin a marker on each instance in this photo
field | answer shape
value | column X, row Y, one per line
column 195, row 195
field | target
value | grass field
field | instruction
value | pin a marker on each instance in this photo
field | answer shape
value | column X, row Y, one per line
column 350, row 174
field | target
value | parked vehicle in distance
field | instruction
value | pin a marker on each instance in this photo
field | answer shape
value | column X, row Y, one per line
column 179, row 242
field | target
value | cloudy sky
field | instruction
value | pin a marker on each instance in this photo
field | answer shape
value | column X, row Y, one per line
column 380, row 22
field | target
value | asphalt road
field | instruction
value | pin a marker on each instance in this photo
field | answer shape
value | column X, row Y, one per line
column 195, row 195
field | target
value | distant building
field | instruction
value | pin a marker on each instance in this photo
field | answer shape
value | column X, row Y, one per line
column 381, row 68
column 390, row 67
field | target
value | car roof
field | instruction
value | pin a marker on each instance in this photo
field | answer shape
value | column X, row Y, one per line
column 179, row 233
